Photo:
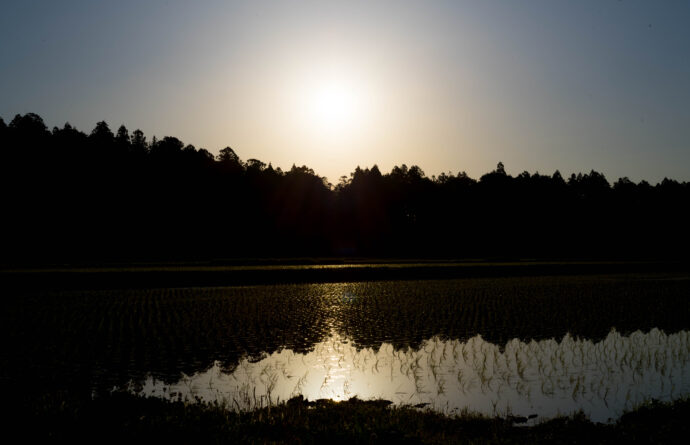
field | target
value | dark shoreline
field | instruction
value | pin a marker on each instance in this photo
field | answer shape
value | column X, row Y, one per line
column 125, row 418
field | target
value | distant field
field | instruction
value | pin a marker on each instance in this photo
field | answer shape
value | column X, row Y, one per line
column 168, row 275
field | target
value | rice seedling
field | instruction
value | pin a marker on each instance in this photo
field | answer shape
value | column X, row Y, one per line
column 104, row 338
column 440, row 387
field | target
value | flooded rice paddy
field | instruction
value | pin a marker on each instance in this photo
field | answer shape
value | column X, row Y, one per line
column 501, row 346
column 535, row 380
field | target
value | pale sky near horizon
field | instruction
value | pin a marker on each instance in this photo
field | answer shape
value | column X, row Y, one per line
column 446, row 85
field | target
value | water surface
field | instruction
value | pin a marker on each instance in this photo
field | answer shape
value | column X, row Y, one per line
column 541, row 379
column 93, row 340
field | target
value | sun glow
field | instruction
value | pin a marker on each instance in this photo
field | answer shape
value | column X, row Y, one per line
column 332, row 110
column 334, row 106
column 332, row 103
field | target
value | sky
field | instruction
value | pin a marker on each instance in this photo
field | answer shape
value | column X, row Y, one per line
column 446, row 85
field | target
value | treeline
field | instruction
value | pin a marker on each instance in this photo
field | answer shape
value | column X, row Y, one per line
column 69, row 196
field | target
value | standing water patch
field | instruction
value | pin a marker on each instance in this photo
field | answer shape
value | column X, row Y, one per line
column 535, row 380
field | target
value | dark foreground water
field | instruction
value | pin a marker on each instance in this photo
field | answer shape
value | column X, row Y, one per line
column 523, row 346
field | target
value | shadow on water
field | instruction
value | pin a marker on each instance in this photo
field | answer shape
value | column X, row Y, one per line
column 538, row 379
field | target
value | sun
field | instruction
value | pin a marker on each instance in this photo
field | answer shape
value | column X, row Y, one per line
column 330, row 107
column 334, row 107
column 333, row 104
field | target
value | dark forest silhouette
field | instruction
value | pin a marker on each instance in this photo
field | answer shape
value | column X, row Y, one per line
column 69, row 196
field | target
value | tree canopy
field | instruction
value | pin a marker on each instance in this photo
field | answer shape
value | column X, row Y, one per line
column 69, row 196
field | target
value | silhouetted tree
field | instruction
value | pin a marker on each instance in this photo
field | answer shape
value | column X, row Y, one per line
column 68, row 196
column 500, row 169
column 122, row 138
column 101, row 133
column 29, row 124
column 138, row 142
column 228, row 156
column 167, row 147
column 255, row 165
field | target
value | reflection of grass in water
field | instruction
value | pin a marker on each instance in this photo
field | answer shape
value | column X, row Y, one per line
column 300, row 385
column 433, row 367
column 88, row 337
column 440, row 387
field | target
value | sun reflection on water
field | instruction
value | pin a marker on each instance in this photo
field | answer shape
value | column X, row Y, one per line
column 543, row 378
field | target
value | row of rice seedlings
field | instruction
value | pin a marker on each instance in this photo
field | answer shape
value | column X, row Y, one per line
column 524, row 308
column 168, row 331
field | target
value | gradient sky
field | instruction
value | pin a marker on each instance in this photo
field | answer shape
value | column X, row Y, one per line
column 449, row 86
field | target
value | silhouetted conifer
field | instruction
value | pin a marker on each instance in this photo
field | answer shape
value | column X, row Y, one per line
column 72, row 197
